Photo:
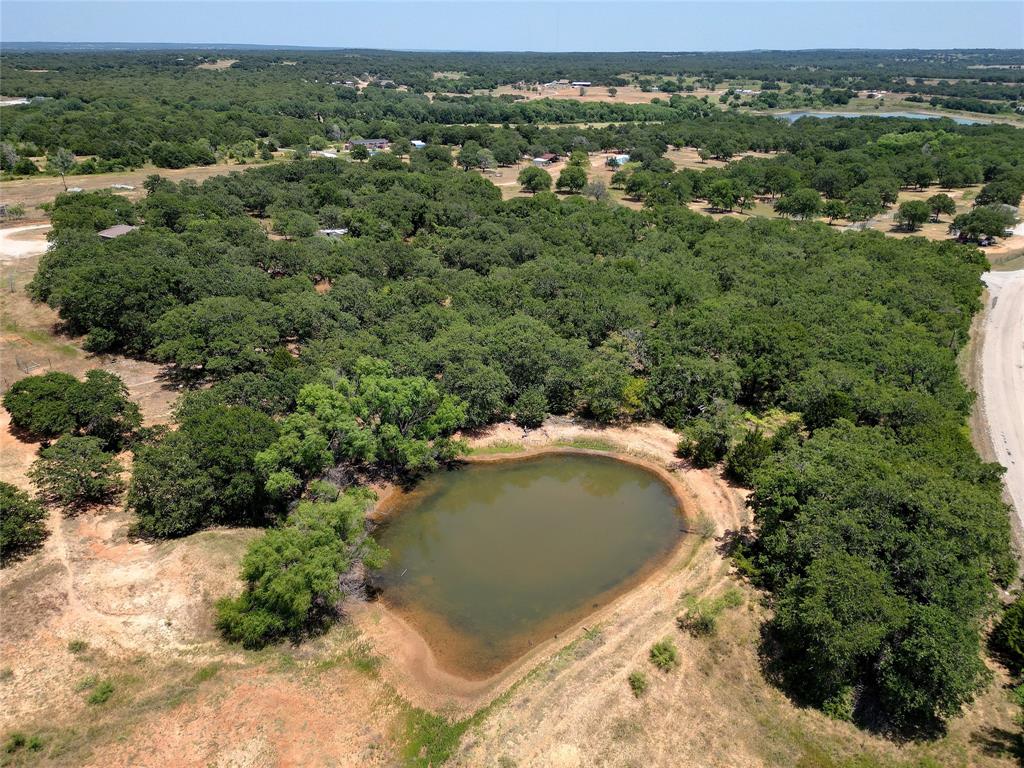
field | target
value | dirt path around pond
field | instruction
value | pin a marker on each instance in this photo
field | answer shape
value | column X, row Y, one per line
column 412, row 667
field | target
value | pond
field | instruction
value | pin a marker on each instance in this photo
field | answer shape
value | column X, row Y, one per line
column 493, row 558
column 794, row 116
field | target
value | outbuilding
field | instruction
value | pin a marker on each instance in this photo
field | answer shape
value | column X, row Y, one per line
column 369, row 143
column 116, row 231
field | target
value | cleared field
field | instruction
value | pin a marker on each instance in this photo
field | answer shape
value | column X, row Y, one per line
column 626, row 94
column 32, row 191
column 218, row 64
column 687, row 157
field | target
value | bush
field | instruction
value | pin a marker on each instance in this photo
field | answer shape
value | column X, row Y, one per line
column 839, row 706
column 531, row 408
column 698, row 622
column 664, row 655
column 705, row 526
column 76, row 472
column 78, row 646
column 746, row 456
column 101, row 693
column 21, row 524
column 292, row 574
column 1008, row 636
column 638, row 683
column 17, row 741
column 705, row 443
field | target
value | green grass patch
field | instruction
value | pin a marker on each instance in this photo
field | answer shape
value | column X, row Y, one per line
column 41, row 338
column 700, row 617
column 431, row 739
column 101, row 693
column 588, row 444
column 664, row 655
column 502, row 446
column 362, row 659
column 638, row 683
column 205, row 673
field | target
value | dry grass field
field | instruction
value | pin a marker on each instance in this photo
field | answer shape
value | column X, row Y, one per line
column 32, row 191
column 626, row 94
column 218, row 64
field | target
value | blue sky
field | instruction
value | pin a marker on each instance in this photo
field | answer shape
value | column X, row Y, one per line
column 513, row 25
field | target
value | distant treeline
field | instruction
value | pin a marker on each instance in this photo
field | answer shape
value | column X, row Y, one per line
column 129, row 108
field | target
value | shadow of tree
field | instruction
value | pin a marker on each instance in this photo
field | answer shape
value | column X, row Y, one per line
column 733, row 541
column 999, row 742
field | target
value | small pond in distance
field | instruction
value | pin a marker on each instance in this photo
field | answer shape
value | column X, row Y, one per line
column 493, row 558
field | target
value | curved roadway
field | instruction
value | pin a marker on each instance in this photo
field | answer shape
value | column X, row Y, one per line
column 1002, row 371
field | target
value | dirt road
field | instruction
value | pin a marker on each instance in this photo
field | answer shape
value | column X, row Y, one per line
column 23, row 241
column 1002, row 364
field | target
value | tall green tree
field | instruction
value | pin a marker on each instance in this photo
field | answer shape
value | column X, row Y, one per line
column 534, row 180
column 76, row 472
column 22, row 524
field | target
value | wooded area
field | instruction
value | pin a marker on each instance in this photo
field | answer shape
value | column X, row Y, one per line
column 314, row 364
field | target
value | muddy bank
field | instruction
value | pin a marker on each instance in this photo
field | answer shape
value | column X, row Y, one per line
column 429, row 681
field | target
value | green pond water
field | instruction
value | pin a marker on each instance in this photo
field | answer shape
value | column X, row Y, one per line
column 490, row 559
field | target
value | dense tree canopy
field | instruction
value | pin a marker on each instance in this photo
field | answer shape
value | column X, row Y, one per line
column 882, row 535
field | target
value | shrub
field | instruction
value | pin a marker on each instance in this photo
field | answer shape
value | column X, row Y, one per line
column 704, row 444
column 530, row 408
column 75, row 472
column 839, row 706
column 1008, row 636
column 21, row 524
column 698, row 622
column 746, row 456
column 638, row 683
column 292, row 574
column 16, row 740
column 101, row 693
column 78, row 646
column 705, row 526
column 664, row 655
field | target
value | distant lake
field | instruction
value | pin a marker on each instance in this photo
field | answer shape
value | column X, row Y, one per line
column 794, row 116
column 492, row 559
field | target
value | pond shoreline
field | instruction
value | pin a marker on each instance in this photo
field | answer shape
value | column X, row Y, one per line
column 410, row 663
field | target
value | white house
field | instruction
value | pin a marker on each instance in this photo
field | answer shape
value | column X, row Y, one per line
column 417, row 144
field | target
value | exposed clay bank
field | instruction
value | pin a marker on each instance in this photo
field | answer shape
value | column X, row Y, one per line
column 494, row 558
